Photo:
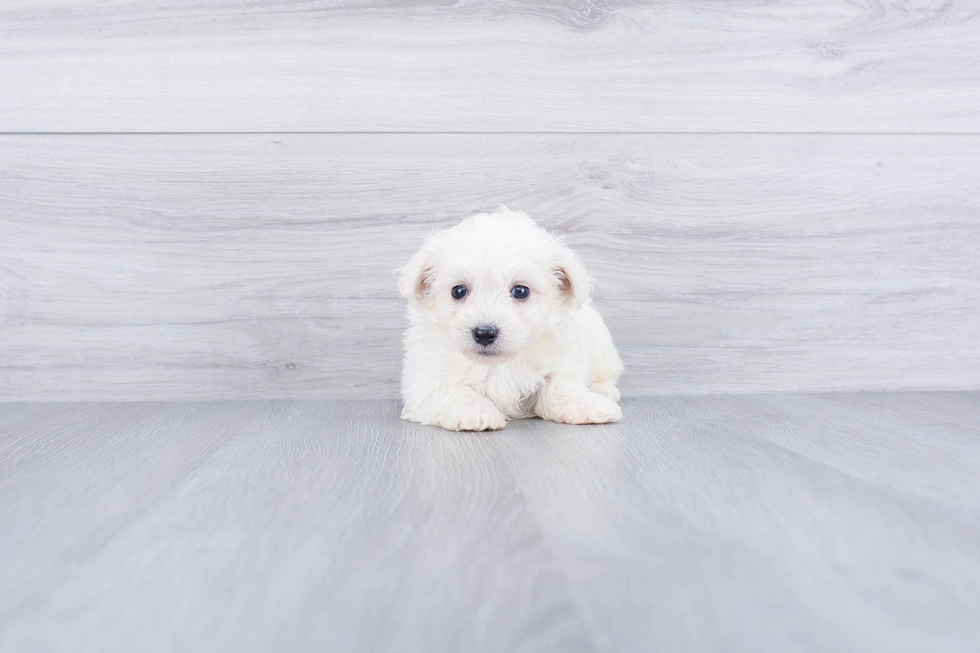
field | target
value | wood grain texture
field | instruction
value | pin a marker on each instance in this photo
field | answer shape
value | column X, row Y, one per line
column 742, row 524
column 268, row 526
column 233, row 266
column 561, row 65
column 783, row 522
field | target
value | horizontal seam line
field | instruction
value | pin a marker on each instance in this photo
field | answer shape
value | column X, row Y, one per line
column 480, row 133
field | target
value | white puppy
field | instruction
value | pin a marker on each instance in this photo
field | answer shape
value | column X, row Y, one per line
column 502, row 328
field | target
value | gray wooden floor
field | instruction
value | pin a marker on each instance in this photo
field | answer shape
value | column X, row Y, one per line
column 843, row 522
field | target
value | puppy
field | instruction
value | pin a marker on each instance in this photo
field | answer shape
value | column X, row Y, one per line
column 502, row 328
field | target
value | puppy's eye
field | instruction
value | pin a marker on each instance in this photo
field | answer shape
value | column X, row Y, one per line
column 459, row 292
column 520, row 292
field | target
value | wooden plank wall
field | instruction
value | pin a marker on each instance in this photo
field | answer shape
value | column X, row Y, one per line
column 207, row 201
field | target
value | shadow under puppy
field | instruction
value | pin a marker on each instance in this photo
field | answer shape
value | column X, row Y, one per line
column 502, row 328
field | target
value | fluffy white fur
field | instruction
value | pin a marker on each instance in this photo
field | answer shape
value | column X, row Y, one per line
column 552, row 356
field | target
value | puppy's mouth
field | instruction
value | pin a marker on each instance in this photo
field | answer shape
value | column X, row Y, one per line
column 487, row 354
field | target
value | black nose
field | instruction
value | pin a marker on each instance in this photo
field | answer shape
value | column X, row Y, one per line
column 485, row 334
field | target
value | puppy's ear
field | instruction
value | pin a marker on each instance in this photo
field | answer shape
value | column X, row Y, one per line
column 415, row 278
column 572, row 277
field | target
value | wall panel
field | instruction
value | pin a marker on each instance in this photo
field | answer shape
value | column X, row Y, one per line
column 258, row 266
column 474, row 66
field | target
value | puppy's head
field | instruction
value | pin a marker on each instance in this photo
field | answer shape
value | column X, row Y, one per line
column 492, row 283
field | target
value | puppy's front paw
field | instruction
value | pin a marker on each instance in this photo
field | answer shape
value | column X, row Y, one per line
column 473, row 416
column 590, row 408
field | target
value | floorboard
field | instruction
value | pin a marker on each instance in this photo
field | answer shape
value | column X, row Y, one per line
column 698, row 523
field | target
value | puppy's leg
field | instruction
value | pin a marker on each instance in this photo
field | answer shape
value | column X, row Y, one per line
column 607, row 367
column 456, row 408
column 566, row 399
column 606, row 389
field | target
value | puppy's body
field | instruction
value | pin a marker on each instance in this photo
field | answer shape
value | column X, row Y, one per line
column 576, row 349
column 522, row 340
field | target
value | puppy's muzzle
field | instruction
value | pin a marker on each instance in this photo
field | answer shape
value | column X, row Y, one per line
column 485, row 334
